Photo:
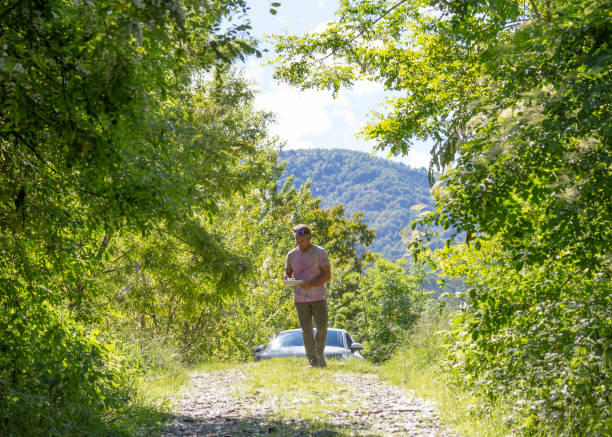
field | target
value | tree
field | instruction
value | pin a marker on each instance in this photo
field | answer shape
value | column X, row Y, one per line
column 539, row 336
column 91, row 126
column 522, row 102
column 379, row 306
column 168, row 293
column 99, row 137
column 515, row 96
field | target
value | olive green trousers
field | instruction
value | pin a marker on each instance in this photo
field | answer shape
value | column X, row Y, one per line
column 314, row 344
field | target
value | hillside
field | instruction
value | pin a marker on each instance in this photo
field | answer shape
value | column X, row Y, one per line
column 383, row 190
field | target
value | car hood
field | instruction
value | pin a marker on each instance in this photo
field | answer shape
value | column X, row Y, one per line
column 299, row 351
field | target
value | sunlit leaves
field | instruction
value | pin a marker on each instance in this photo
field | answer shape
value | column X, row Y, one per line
column 536, row 333
column 379, row 306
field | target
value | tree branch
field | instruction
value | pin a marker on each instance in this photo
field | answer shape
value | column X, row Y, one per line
column 535, row 9
column 383, row 15
column 123, row 267
column 103, row 245
column 548, row 17
column 43, row 160
column 35, row 152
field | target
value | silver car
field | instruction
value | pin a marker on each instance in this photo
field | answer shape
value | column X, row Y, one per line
column 289, row 343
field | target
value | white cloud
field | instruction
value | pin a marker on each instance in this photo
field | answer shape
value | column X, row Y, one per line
column 301, row 113
column 254, row 71
column 347, row 115
column 283, row 23
column 418, row 159
column 302, row 145
column 321, row 27
column 365, row 87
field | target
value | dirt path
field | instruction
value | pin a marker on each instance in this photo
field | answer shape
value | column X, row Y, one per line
column 214, row 406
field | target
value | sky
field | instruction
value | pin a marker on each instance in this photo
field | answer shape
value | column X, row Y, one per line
column 310, row 118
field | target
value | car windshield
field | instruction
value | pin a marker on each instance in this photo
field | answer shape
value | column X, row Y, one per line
column 294, row 338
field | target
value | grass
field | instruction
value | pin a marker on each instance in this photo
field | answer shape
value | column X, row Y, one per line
column 307, row 398
column 164, row 376
column 311, row 396
column 415, row 367
column 298, row 394
column 156, row 393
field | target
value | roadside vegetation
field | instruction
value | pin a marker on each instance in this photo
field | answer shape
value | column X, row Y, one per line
column 312, row 398
column 421, row 366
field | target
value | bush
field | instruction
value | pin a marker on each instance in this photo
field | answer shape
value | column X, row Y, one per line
column 540, row 335
column 382, row 304
column 419, row 365
column 56, row 378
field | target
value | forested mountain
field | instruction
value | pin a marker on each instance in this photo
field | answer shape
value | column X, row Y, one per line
column 384, row 191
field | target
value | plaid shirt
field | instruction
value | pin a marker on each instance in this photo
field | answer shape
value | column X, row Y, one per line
column 306, row 265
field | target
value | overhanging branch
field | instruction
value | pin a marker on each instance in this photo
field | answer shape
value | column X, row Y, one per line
column 383, row 15
column 535, row 9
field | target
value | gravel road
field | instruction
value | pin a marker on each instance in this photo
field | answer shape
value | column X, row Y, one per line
column 215, row 405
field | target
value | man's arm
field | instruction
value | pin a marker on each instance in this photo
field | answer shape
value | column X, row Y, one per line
column 288, row 272
column 319, row 280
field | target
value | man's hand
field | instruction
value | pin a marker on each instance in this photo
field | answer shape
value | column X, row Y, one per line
column 319, row 280
column 288, row 273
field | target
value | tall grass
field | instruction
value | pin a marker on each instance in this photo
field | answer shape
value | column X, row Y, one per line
column 419, row 367
column 164, row 374
column 164, row 370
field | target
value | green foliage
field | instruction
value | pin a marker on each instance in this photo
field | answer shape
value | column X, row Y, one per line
column 536, row 156
column 170, row 278
column 541, row 335
column 516, row 97
column 261, row 225
column 105, row 133
column 383, row 191
column 379, row 306
column 167, row 290
column 56, row 378
column 420, row 365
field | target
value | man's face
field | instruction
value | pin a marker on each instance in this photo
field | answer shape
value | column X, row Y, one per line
column 303, row 241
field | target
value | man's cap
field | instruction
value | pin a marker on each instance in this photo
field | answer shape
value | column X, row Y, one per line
column 301, row 230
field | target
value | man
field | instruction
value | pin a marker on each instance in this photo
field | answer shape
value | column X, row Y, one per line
column 310, row 264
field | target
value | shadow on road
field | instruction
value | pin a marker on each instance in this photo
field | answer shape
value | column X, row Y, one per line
column 233, row 426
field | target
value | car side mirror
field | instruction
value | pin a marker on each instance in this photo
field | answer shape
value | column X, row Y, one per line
column 356, row 347
column 260, row 348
